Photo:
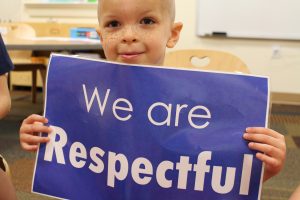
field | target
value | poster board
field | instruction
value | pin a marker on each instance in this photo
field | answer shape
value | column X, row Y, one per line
column 116, row 135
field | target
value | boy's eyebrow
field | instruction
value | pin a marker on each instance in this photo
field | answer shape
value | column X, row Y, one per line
column 113, row 15
column 148, row 12
column 109, row 15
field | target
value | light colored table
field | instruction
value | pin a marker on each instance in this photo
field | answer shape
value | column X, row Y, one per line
column 51, row 44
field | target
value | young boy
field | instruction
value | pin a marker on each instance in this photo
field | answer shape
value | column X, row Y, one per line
column 138, row 32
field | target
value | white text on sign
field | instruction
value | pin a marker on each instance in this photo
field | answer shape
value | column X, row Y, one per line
column 142, row 170
column 122, row 104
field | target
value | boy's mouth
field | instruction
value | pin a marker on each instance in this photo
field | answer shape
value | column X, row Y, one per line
column 130, row 55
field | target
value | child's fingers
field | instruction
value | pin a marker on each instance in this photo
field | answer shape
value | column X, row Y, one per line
column 267, row 149
column 265, row 139
column 269, row 161
column 34, row 128
column 35, row 118
column 29, row 147
column 265, row 131
column 30, row 142
column 32, row 139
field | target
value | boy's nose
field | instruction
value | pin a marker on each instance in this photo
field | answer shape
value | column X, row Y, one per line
column 129, row 35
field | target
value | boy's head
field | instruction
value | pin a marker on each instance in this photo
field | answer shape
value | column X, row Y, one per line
column 137, row 31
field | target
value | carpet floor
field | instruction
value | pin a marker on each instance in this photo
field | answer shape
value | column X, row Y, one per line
column 283, row 118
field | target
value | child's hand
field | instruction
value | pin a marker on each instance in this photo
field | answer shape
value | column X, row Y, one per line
column 30, row 127
column 271, row 146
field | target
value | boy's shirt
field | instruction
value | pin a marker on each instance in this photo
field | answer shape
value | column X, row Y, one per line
column 5, row 63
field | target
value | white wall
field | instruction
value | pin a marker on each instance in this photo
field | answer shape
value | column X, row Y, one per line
column 41, row 11
column 283, row 68
column 10, row 10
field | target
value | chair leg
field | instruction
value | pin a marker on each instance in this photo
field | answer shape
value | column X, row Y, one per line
column 43, row 76
column 33, row 89
column 8, row 81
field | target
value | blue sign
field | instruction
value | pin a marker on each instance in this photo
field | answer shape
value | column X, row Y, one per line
column 142, row 133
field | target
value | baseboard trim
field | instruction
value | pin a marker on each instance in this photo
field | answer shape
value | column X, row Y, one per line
column 285, row 98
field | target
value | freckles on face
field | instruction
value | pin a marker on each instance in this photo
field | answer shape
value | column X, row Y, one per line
column 109, row 47
column 148, row 47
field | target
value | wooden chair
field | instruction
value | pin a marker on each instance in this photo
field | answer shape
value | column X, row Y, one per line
column 207, row 60
column 23, row 60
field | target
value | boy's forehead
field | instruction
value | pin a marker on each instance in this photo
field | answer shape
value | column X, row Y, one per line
column 139, row 2
column 164, row 5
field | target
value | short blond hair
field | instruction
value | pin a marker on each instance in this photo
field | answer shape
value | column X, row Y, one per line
column 170, row 5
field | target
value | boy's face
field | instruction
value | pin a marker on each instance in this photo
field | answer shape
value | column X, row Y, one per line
column 137, row 31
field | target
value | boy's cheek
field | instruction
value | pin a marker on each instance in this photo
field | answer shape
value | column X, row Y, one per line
column 110, row 36
column 99, row 34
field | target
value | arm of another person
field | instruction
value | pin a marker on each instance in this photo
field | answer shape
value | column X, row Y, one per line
column 296, row 194
column 5, row 101
column 7, row 190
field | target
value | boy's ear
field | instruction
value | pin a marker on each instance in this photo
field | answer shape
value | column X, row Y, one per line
column 99, row 34
column 175, row 33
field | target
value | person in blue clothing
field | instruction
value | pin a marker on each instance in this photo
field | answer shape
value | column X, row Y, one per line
column 7, row 190
column 5, row 66
column 138, row 32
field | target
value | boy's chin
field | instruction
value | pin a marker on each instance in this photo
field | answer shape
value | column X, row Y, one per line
column 135, row 61
column 132, row 61
column 139, row 62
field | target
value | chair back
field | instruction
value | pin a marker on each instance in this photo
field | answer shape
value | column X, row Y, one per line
column 206, row 60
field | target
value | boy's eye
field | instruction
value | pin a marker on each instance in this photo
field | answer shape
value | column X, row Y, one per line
column 147, row 21
column 113, row 24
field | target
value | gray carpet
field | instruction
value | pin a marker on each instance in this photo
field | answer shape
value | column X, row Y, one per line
column 285, row 119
